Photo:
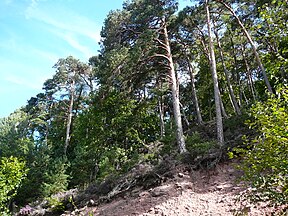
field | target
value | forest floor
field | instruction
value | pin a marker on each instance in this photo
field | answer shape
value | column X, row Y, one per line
column 185, row 192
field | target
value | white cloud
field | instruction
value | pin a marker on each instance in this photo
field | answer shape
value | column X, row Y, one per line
column 77, row 31
column 18, row 76
column 72, row 40
column 20, row 81
column 12, row 44
column 64, row 20
column 46, row 55
column 76, row 45
column 33, row 5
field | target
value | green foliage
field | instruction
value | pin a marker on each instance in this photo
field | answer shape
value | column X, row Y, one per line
column 116, row 129
column 56, row 204
column 168, row 140
column 39, row 163
column 275, row 15
column 266, row 159
column 198, row 147
column 114, row 107
column 12, row 173
column 234, row 129
column 235, row 122
column 56, row 179
column 14, row 132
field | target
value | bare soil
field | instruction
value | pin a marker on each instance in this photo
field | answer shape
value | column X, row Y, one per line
column 209, row 192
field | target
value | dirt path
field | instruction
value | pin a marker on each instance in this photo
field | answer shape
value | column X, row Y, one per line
column 188, row 193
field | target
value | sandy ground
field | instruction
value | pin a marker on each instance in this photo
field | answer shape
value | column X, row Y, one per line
column 188, row 193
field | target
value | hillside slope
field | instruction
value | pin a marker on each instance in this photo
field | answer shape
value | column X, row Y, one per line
column 185, row 192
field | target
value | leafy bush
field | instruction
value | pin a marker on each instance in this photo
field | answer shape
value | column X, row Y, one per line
column 12, row 172
column 56, row 204
column 56, row 178
column 169, row 141
column 266, row 159
column 198, row 147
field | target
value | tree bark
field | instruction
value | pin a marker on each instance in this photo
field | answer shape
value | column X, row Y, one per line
column 175, row 93
column 70, row 115
column 223, row 111
column 161, row 116
column 259, row 62
column 194, row 94
column 220, row 134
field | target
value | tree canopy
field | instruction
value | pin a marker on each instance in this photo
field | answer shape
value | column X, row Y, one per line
column 160, row 73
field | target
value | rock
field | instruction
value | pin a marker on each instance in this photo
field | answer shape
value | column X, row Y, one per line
column 157, row 193
column 91, row 202
column 231, row 170
column 221, row 200
column 157, row 211
column 143, row 194
column 151, row 210
column 178, row 185
column 219, row 187
column 181, row 175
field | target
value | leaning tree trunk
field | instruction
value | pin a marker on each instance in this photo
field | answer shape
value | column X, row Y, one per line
column 230, row 88
column 259, row 62
column 220, row 134
column 174, row 89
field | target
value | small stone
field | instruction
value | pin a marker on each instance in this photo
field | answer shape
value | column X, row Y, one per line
column 219, row 187
column 157, row 211
column 143, row 194
column 91, row 202
column 221, row 201
column 151, row 210
column 231, row 170
column 157, row 193
column 178, row 185
column 203, row 199
column 181, row 175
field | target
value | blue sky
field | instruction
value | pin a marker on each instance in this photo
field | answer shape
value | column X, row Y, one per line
column 34, row 34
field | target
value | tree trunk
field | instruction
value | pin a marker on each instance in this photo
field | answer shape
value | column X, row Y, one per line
column 249, row 76
column 223, row 111
column 230, row 88
column 194, row 94
column 259, row 62
column 234, row 55
column 161, row 116
column 220, row 134
column 207, row 53
column 185, row 119
column 175, row 93
column 70, row 114
column 161, row 108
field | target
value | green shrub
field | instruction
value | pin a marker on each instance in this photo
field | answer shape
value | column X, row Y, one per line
column 56, row 204
column 234, row 122
column 169, row 141
column 266, row 158
column 56, row 178
column 198, row 147
column 12, row 172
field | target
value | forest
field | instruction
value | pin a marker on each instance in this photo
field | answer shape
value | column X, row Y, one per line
column 166, row 82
